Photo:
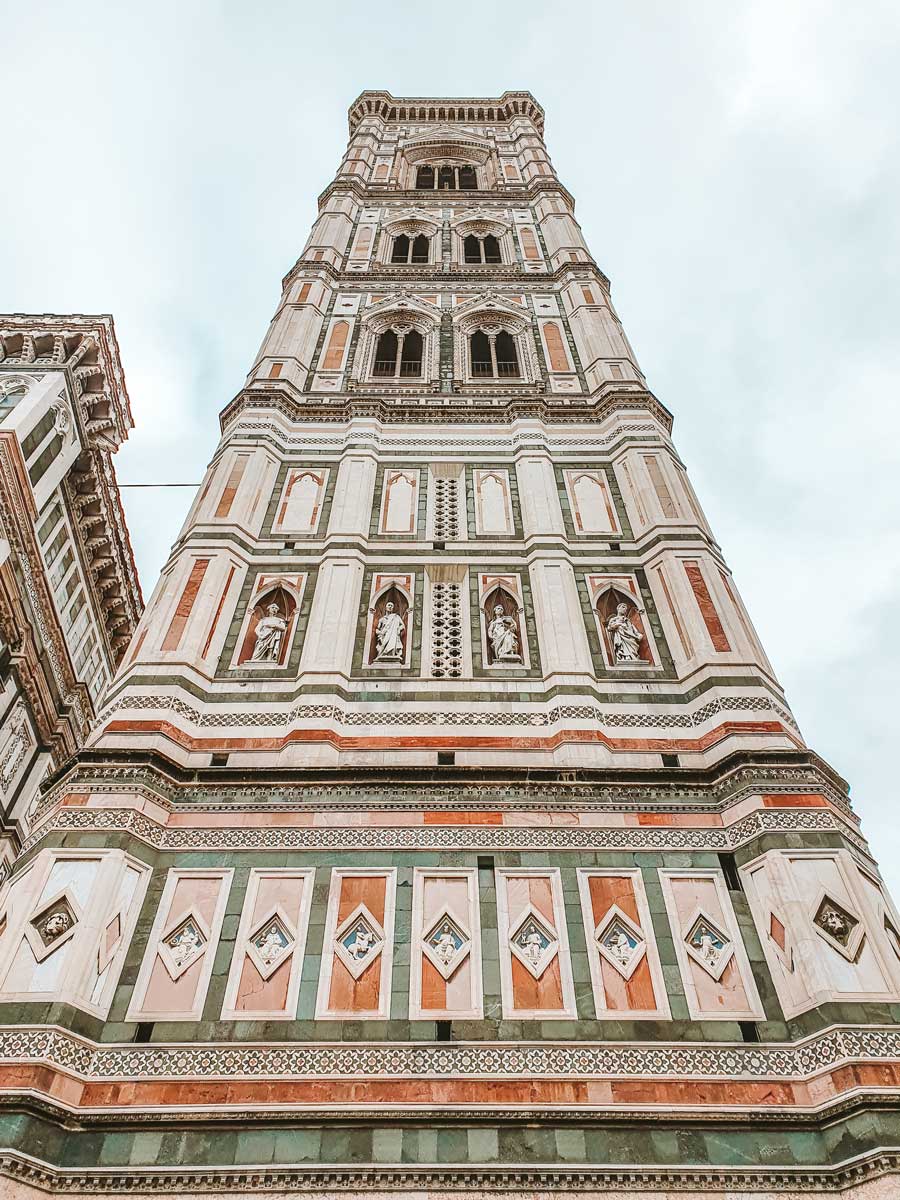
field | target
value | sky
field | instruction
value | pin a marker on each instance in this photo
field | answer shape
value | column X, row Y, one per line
column 736, row 175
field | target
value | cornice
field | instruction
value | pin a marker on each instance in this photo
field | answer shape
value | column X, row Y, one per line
column 452, row 789
column 368, row 194
column 507, row 107
column 331, row 409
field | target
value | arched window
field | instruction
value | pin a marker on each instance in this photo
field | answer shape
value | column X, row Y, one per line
column 425, row 178
column 491, row 249
column 472, row 249
column 480, row 349
column 410, row 250
column 445, row 179
column 468, row 181
column 494, row 355
column 507, row 359
column 9, row 400
column 398, row 355
column 400, row 252
column 411, row 354
column 385, row 354
column 481, row 249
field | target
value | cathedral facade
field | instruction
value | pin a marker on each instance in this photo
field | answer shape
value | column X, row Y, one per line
column 445, row 826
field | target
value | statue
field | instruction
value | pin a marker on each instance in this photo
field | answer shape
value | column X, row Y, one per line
column 504, row 636
column 269, row 632
column 626, row 637
column 389, row 636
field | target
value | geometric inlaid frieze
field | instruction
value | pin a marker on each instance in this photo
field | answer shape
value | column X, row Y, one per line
column 533, row 941
column 51, row 926
column 183, row 943
column 359, row 940
column 806, row 1058
column 838, row 926
column 271, row 942
column 449, row 837
column 447, row 943
column 708, row 945
column 620, row 941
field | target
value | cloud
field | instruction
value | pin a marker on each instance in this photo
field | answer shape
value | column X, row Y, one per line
column 735, row 175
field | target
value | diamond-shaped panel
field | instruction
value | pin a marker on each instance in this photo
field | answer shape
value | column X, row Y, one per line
column 447, row 943
column 359, row 940
column 183, row 943
column 271, row 943
column 840, row 927
column 533, row 941
column 620, row 941
column 708, row 945
column 51, row 926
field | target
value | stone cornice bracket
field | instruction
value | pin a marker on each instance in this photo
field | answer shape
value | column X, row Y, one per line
column 471, row 109
column 87, row 350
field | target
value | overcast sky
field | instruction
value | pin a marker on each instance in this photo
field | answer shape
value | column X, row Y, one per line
column 736, row 174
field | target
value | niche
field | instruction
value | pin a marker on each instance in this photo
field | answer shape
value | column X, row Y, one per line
column 275, row 640
column 503, row 631
column 394, row 642
column 607, row 605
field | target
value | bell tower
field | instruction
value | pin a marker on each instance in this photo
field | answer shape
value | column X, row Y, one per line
column 446, row 826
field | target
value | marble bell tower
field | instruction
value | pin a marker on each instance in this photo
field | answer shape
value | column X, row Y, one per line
column 445, row 827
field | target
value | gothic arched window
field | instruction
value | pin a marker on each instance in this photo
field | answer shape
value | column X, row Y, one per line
column 410, row 250
column 425, row 178
column 494, row 355
column 472, row 249
column 491, row 249
column 446, row 180
column 480, row 350
column 468, row 180
column 507, row 359
column 400, row 252
column 398, row 355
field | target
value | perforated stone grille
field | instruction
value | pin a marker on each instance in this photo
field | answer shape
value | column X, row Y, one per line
column 446, row 631
column 446, row 511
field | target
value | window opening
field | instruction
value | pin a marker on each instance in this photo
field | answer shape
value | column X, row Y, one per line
column 446, row 181
column 425, row 178
column 401, row 249
column 467, row 179
column 410, row 250
column 398, row 355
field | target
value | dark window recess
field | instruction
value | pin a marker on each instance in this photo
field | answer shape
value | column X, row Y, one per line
column 144, row 1031
column 468, row 180
column 615, row 545
column 731, row 873
column 425, row 178
column 485, row 862
column 442, row 1031
column 445, row 179
column 420, row 249
column 749, row 1031
column 670, row 760
column 446, row 758
column 401, row 249
column 219, row 760
column 439, row 545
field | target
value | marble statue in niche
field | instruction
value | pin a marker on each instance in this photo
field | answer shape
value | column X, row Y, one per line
column 389, row 633
column 270, row 633
column 504, row 637
column 626, row 637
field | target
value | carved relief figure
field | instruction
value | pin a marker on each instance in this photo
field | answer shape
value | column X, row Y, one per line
column 532, row 945
column 271, row 945
column 389, row 633
column 55, row 926
column 363, row 941
column 269, row 634
column 445, row 945
column 626, row 637
column 619, row 947
column 836, row 924
column 504, row 636
column 184, row 944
